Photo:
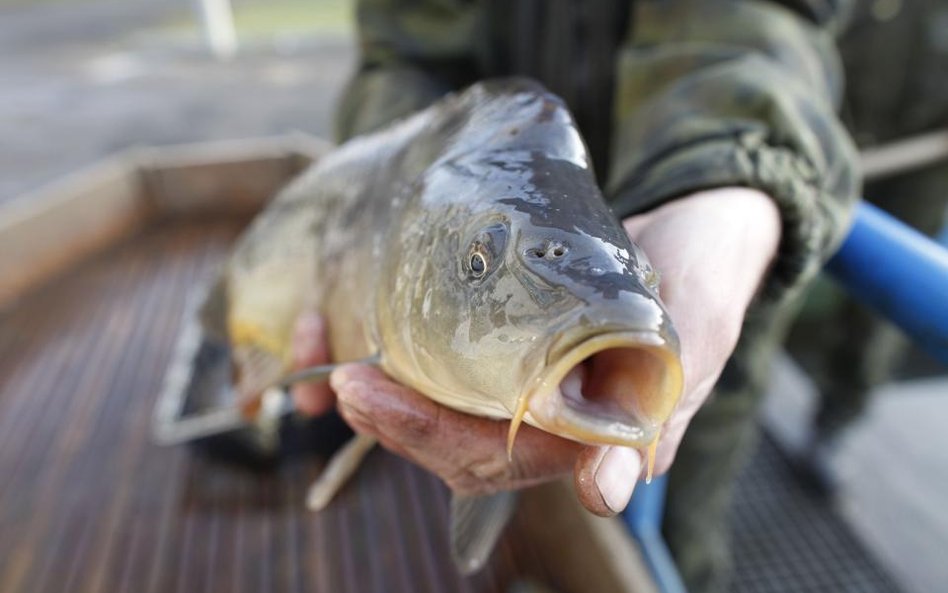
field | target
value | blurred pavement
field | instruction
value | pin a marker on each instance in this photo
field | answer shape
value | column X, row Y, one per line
column 82, row 80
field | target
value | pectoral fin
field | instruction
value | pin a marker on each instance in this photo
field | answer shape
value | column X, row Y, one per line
column 255, row 370
column 476, row 525
column 338, row 471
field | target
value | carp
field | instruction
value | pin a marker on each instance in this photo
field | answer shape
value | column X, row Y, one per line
column 468, row 248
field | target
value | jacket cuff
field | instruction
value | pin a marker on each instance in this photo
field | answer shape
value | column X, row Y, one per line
column 812, row 222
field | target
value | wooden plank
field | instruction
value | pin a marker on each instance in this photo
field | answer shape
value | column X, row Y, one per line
column 46, row 232
column 223, row 178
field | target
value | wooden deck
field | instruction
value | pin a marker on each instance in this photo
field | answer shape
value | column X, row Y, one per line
column 89, row 504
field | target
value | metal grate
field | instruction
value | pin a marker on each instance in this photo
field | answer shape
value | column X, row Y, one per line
column 787, row 541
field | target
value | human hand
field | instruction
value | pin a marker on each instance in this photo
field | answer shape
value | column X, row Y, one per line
column 469, row 453
column 711, row 250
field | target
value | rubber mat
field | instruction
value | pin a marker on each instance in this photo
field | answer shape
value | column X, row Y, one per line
column 786, row 540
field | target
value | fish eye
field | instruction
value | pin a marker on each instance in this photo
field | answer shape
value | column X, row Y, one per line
column 478, row 264
column 486, row 248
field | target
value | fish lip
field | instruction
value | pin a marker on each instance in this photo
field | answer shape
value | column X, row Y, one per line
column 549, row 409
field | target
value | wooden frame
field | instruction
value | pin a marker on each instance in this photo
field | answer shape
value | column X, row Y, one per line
column 47, row 231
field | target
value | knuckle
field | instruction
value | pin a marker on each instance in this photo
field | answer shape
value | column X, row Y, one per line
column 492, row 469
column 459, row 484
column 481, row 475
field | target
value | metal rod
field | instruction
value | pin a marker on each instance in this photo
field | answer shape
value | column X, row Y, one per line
column 318, row 373
column 307, row 375
column 905, row 155
column 644, row 519
column 900, row 273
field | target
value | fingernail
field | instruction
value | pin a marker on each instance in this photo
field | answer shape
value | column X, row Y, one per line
column 616, row 476
column 339, row 378
column 351, row 409
column 350, row 402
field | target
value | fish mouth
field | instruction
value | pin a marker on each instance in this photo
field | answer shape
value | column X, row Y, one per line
column 615, row 388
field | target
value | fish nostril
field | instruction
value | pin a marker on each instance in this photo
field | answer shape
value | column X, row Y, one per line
column 549, row 250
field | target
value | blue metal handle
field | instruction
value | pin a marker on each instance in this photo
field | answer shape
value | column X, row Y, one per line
column 900, row 273
column 644, row 519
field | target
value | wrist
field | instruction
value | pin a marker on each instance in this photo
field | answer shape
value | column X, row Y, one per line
column 711, row 249
column 731, row 233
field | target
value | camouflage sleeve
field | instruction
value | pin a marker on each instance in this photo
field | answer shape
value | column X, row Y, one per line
column 714, row 93
column 412, row 52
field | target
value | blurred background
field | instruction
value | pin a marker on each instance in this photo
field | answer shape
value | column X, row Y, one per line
column 81, row 80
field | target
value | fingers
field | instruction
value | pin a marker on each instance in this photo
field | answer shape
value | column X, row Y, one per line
column 467, row 452
column 605, row 478
column 310, row 348
column 708, row 313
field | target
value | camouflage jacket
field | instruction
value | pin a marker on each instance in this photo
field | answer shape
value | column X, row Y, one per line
column 895, row 54
column 672, row 96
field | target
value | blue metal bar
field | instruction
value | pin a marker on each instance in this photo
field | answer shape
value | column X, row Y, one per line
column 900, row 273
column 644, row 519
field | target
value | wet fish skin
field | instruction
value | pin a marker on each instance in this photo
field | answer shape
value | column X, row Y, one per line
column 514, row 185
column 470, row 246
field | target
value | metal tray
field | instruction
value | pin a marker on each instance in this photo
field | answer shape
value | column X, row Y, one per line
column 197, row 398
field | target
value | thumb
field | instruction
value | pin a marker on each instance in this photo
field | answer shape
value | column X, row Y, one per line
column 605, row 478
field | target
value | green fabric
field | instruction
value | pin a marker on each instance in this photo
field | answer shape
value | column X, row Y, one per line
column 896, row 64
column 412, row 52
column 714, row 94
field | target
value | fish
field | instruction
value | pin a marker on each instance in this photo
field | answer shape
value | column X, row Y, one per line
column 468, row 249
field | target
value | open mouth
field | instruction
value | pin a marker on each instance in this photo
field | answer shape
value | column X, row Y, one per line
column 616, row 388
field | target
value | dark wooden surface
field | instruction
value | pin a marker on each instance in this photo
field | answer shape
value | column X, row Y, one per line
column 89, row 504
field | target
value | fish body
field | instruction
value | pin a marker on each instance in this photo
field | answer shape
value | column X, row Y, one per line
column 471, row 249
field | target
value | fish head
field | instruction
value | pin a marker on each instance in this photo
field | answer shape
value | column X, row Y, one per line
column 518, row 294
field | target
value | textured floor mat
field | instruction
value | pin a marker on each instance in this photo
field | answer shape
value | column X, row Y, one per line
column 785, row 540
column 88, row 504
